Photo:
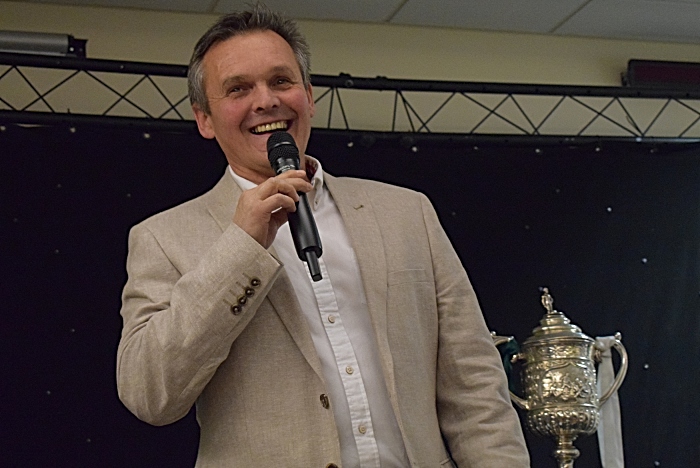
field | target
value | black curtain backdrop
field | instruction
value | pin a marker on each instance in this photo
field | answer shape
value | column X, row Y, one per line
column 613, row 229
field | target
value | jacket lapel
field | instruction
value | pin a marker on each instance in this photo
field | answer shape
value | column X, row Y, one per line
column 221, row 202
column 363, row 228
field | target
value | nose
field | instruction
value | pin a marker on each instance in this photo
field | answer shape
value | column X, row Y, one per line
column 265, row 98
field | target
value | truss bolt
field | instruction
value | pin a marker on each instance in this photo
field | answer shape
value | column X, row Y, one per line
column 147, row 136
column 414, row 149
column 72, row 129
column 349, row 83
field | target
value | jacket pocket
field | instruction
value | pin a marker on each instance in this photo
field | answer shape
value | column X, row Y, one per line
column 407, row 276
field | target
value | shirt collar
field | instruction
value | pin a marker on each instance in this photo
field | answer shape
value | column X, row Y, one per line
column 314, row 172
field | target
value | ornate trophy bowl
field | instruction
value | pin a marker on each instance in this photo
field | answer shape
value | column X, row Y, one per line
column 559, row 381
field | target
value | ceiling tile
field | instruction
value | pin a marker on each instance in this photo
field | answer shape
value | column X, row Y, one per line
column 539, row 16
column 651, row 20
column 348, row 10
column 192, row 6
column 635, row 19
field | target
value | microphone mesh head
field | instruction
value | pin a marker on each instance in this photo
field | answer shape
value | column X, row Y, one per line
column 281, row 145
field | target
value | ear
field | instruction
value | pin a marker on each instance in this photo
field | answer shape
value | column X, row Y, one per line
column 203, row 122
column 310, row 97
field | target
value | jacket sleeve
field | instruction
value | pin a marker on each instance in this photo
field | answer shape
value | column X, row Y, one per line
column 178, row 328
column 476, row 417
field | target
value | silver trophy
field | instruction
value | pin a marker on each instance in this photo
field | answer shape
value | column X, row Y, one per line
column 559, row 381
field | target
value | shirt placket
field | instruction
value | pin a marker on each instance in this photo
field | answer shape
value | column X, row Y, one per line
column 349, row 370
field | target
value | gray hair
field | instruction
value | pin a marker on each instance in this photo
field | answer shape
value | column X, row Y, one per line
column 259, row 18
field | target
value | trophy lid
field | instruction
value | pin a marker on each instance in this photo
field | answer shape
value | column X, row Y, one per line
column 555, row 324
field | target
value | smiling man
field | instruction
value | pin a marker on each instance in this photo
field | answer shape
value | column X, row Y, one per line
column 384, row 362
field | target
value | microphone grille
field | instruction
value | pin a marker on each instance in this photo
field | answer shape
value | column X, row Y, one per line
column 281, row 145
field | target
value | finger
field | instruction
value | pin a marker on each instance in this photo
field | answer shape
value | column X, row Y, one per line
column 279, row 201
column 295, row 173
column 297, row 178
column 288, row 187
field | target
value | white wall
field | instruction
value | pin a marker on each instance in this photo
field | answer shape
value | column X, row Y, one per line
column 366, row 50
column 359, row 49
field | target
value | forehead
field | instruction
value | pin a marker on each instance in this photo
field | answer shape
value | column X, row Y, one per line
column 248, row 54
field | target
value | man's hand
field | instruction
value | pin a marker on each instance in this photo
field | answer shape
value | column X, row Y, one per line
column 262, row 210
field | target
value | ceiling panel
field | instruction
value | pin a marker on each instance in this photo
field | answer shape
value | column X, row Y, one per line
column 650, row 20
column 192, row 6
column 628, row 19
column 348, row 10
column 538, row 16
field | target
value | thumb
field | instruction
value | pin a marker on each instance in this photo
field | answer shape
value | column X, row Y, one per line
column 277, row 219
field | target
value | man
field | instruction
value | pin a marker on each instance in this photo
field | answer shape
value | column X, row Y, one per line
column 386, row 361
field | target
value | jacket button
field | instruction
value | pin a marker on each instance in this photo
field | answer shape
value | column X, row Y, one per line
column 324, row 401
column 255, row 282
column 331, row 465
column 236, row 310
column 249, row 291
column 242, row 300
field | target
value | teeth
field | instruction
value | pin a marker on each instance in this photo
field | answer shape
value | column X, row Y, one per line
column 281, row 125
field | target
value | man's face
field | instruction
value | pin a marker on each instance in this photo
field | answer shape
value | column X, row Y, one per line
column 254, row 85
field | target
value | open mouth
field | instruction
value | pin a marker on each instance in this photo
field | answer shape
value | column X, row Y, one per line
column 270, row 127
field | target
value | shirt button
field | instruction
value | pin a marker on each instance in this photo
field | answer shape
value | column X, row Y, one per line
column 362, row 429
column 331, row 318
column 349, row 370
column 324, row 401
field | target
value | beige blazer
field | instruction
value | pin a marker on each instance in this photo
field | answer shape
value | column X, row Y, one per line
column 211, row 319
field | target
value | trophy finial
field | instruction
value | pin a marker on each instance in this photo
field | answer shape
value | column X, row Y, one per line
column 547, row 300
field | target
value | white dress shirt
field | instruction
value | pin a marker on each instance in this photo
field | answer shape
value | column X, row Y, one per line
column 336, row 311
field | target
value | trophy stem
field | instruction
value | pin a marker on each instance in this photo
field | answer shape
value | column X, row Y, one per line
column 566, row 453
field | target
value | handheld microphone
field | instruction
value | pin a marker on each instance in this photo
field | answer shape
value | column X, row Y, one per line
column 283, row 155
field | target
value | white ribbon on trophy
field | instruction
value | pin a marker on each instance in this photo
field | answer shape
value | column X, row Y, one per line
column 610, row 426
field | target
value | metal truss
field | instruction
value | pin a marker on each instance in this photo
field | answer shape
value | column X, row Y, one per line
column 40, row 90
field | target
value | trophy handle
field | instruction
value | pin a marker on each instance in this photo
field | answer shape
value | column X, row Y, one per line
column 497, row 341
column 620, row 348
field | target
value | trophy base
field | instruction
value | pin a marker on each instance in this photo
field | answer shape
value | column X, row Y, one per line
column 566, row 453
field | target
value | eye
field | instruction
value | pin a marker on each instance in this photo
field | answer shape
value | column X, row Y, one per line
column 282, row 81
column 235, row 89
